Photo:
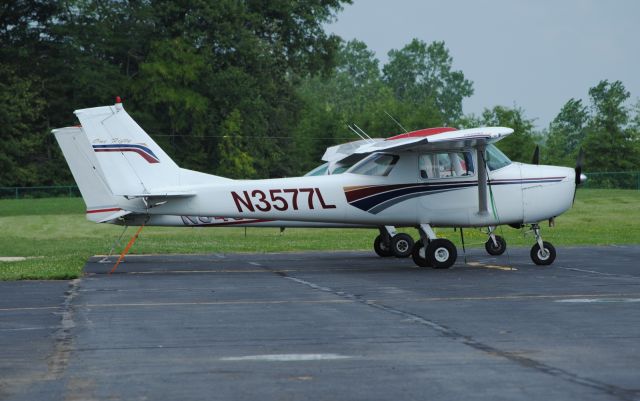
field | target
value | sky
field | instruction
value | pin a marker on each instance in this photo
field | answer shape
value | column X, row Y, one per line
column 534, row 54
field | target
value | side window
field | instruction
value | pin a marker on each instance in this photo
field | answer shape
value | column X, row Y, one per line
column 446, row 165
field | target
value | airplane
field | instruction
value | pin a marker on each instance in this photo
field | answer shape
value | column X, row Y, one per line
column 81, row 158
column 439, row 178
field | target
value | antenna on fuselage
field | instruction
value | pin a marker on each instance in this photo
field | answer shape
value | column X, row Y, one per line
column 363, row 133
column 396, row 121
column 356, row 132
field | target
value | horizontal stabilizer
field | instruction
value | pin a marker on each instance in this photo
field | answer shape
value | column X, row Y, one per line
column 164, row 194
column 106, row 214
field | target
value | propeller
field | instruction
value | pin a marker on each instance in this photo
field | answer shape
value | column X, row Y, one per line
column 580, row 178
column 536, row 155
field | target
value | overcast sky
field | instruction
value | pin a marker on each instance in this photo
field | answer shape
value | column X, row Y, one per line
column 536, row 54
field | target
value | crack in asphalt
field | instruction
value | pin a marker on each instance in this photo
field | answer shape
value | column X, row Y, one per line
column 59, row 359
column 615, row 391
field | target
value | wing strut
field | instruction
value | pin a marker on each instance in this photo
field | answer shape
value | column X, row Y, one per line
column 482, row 179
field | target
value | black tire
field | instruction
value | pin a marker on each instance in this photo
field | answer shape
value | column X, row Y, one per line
column 418, row 256
column 383, row 250
column 539, row 258
column 441, row 253
column 494, row 250
column 401, row 245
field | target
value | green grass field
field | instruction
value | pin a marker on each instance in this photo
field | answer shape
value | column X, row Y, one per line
column 55, row 236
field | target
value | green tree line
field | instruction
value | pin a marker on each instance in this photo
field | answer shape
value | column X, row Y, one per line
column 254, row 88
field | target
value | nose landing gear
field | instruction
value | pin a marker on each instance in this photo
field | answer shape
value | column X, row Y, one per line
column 542, row 253
column 495, row 245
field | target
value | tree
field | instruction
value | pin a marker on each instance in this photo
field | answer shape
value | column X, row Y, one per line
column 567, row 132
column 168, row 85
column 610, row 144
column 22, row 154
column 422, row 74
column 182, row 68
column 520, row 145
column 233, row 161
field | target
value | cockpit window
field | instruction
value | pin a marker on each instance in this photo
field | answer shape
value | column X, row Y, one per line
column 341, row 168
column 495, row 158
column 323, row 169
column 320, row 170
column 379, row 164
column 446, row 165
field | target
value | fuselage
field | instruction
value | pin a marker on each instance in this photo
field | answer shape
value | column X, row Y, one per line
column 438, row 188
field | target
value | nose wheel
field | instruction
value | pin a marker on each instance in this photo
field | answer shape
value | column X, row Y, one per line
column 495, row 245
column 542, row 253
column 543, row 256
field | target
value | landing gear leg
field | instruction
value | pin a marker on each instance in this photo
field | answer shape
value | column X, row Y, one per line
column 495, row 245
column 542, row 253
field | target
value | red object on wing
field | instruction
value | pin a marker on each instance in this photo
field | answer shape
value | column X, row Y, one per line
column 422, row 132
column 118, row 99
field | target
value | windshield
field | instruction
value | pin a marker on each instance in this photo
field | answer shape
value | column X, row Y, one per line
column 379, row 164
column 320, row 170
column 341, row 168
column 323, row 169
column 495, row 158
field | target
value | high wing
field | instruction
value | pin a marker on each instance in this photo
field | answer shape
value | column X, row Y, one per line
column 431, row 139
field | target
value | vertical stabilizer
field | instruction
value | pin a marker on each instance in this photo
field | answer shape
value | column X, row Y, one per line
column 132, row 162
column 101, row 204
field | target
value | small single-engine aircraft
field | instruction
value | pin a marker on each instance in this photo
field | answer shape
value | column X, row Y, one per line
column 428, row 178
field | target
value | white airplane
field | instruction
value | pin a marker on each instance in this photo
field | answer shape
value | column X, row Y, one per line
column 441, row 177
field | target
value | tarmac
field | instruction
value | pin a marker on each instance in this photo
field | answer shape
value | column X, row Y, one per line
column 328, row 326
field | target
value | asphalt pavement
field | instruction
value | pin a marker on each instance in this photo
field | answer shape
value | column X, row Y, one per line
column 328, row 326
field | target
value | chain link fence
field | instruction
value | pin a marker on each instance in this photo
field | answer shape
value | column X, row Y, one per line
column 601, row 180
column 613, row 180
column 68, row 191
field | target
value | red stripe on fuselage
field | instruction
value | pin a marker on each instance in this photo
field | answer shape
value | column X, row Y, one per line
column 229, row 223
column 112, row 209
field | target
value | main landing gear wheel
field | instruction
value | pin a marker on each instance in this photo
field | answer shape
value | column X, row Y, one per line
column 493, row 249
column 401, row 245
column 418, row 255
column 441, row 253
column 544, row 256
column 383, row 250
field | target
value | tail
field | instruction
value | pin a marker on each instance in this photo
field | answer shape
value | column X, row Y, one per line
column 102, row 205
column 133, row 163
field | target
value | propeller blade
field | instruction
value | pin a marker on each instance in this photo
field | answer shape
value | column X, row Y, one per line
column 579, row 176
column 536, row 155
column 578, row 168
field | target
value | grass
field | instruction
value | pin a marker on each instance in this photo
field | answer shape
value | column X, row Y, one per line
column 55, row 236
